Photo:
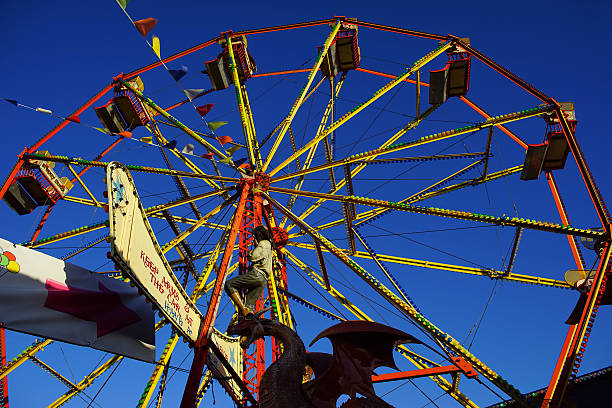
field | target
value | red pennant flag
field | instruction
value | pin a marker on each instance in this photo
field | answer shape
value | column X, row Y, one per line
column 224, row 139
column 145, row 25
column 125, row 133
column 74, row 118
column 208, row 156
column 204, row 109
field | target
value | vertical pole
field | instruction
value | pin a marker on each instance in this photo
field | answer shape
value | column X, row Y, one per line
column 4, row 401
column 201, row 346
column 253, row 369
column 575, row 335
column 487, row 151
column 418, row 94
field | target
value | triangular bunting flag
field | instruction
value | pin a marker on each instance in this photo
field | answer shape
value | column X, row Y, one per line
column 188, row 149
column 226, row 160
column 43, row 110
column 232, row 150
column 74, row 118
column 125, row 133
column 170, row 145
column 204, row 109
column 240, row 162
column 156, row 46
column 224, row 139
column 101, row 130
column 146, row 139
column 208, row 156
column 178, row 73
column 12, row 101
column 145, row 25
column 215, row 125
column 191, row 94
column 123, row 3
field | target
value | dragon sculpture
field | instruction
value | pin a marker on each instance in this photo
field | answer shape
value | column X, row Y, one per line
column 358, row 348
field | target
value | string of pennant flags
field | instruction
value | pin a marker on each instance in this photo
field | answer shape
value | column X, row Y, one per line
column 144, row 27
column 188, row 149
column 71, row 118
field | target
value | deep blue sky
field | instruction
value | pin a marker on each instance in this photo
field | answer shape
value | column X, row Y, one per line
column 56, row 55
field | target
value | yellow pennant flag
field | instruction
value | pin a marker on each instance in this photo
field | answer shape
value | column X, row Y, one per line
column 232, row 150
column 101, row 130
column 146, row 139
column 156, row 46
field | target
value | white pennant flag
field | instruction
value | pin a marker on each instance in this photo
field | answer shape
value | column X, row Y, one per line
column 192, row 93
column 188, row 149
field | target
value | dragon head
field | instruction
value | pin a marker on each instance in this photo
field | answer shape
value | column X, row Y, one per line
column 249, row 328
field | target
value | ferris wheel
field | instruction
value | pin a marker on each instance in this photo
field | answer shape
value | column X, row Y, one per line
column 402, row 178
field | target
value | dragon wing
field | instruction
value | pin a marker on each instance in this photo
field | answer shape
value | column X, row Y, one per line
column 359, row 348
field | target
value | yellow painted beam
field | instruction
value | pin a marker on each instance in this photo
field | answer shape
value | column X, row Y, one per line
column 151, row 211
column 24, row 356
column 76, row 175
column 414, row 197
column 246, row 119
column 462, row 215
column 411, row 125
column 485, row 272
column 367, row 215
column 311, row 153
column 507, row 118
column 144, row 169
column 182, row 236
column 163, row 361
column 206, row 378
column 399, row 79
column 64, row 235
column 303, row 91
column 46, row 367
column 256, row 149
column 86, row 381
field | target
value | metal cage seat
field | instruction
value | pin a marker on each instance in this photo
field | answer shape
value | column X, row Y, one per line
column 36, row 184
column 343, row 54
column 552, row 154
column 124, row 111
column 454, row 78
column 219, row 70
